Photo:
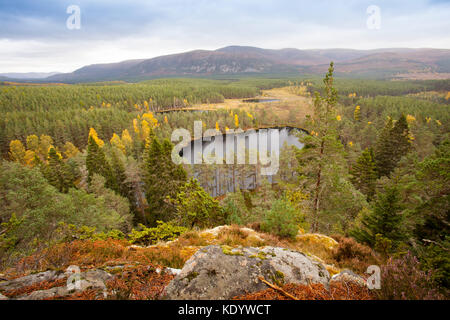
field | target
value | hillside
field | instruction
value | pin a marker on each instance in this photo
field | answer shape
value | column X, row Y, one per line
column 239, row 60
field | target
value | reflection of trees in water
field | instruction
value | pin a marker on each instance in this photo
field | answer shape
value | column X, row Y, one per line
column 219, row 179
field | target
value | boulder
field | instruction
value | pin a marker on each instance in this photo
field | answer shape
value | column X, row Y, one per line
column 349, row 276
column 30, row 280
column 45, row 294
column 220, row 272
column 77, row 281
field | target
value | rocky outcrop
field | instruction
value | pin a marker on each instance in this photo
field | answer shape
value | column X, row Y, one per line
column 76, row 282
column 220, row 272
column 31, row 279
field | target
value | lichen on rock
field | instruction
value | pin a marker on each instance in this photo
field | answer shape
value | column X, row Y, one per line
column 222, row 276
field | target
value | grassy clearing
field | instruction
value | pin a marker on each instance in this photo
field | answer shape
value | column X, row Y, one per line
column 291, row 109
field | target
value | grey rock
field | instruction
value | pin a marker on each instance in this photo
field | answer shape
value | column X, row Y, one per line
column 216, row 273
column 76, row 282
column 349, row 276
column 30, row 280
column 45, row 294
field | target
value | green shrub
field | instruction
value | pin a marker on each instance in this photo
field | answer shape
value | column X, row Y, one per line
column 162, row 232
column 235, row 209
column 72, row 232
column 281, row 219
column 196, row 208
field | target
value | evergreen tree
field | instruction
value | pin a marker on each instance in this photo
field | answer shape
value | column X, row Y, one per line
column 195, row 207
column 124, row 187
column 393, row 143
column 57, row 172
column 323, row 173
column 384, row 221
column 364, row 173
column 384, row 152
column 401, row 138
column 432, row 228
column 162, row 179
column 96, row 163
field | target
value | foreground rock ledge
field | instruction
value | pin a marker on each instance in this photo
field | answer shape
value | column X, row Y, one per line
column 219, row 272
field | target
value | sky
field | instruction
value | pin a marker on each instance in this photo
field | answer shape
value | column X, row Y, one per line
column 41, row 36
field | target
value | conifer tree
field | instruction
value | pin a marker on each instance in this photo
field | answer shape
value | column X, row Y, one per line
column 57, row 172
column 96, row 163
column 162, row 179
column 385, row 220
column 322, row 169
column 364, row 173
column 124, row 187
column 401, row 138
column 393, row 143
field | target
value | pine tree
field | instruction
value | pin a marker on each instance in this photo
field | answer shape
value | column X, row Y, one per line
column 401, row 138
column 57, row 172
column 322, row 167
column 96, row 163
column 393, row 143
column 364, row 173
column 385, row 220
column 124, row 187
column 384, row 150
column 162, row 179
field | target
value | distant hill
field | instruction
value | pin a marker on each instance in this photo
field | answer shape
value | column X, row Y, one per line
column 27, row 75
column 238, row 60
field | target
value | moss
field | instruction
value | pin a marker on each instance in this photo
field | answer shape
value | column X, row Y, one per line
column 278, row 278
column 261, row 255
column 229, row 251
column 191, row 276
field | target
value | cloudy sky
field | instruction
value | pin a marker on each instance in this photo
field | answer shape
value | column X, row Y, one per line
column 34, row 35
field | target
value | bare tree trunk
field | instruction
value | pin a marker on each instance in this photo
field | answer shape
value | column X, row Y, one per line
column 314, row 226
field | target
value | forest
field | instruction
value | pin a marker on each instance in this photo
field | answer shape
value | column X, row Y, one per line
column 92, row 163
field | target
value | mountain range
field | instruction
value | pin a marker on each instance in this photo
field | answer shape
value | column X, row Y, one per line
column 241, row 60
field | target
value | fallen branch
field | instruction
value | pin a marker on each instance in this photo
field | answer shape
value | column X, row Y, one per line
column 277, row 288
column 436, row 243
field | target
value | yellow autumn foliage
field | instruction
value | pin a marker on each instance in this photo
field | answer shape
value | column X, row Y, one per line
column 29, row 158
column 17, row 151
column 93, row 134
column 410, row 119
column 33, row 142
column 117, row 142
column 70, row 150
column 126, row 138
